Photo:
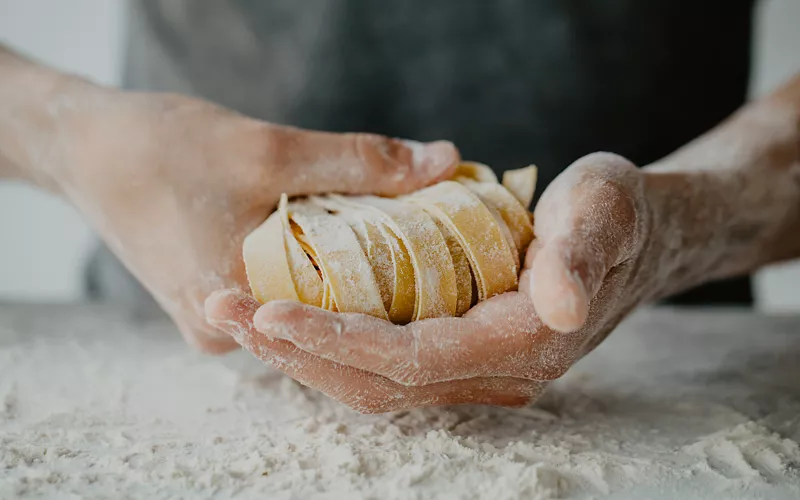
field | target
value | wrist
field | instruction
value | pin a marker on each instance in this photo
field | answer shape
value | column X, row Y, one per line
column 678, row 246
column 729, row 201
column 714, row 224
column 38, row 104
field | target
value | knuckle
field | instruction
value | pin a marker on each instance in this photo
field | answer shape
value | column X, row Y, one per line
column 385, row 158
column 368, row 148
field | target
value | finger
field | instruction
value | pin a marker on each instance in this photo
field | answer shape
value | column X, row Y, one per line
column 587, row 222
column 609, row 307
column 499, row 337
column 363, row 391
column 321, row 162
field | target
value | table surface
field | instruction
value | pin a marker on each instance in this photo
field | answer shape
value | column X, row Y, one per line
column 675, row 404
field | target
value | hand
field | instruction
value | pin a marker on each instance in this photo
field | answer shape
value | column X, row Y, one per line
column 174, row 184
column 587, row 269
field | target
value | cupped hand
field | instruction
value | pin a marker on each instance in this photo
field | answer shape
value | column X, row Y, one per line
column 174, row 184
column 589, row 266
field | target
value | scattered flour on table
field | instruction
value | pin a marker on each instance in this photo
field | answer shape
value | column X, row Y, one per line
column 93, row 407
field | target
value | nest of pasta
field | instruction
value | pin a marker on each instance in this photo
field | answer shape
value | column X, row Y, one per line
column 433, row 253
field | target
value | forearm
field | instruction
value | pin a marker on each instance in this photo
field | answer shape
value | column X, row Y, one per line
column 729, row 202
column 35, row 102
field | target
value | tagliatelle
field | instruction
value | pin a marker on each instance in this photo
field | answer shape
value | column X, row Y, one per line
column 461, row 267
column 433, row 253
column 510, row 210
column 434, row 276
column 521, row 183
column 341, row 260
column 478, row 233
column 308, row 282
column 402, row 283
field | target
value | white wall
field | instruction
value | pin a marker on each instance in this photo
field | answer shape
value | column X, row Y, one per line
column 43, row 242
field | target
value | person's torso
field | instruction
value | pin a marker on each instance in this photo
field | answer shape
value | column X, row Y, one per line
column 511, row 82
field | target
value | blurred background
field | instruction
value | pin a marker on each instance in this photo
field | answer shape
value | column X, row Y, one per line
column 44, row 243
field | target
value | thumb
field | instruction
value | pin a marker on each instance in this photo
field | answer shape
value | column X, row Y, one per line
column 587, row 222
column 320, row 162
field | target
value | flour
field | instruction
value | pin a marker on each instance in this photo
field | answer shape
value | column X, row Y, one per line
column 747, row 452
column 93, row 406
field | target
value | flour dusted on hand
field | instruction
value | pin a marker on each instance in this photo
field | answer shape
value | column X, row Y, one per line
column 432, row 253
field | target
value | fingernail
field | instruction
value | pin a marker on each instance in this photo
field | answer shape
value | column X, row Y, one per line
column 433, row 160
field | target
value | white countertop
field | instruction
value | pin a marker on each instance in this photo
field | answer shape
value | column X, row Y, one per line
column 675, row 404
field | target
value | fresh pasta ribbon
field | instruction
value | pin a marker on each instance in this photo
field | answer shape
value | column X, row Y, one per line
column 433, row 253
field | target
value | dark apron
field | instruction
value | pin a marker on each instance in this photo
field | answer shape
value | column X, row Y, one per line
column 511, row 82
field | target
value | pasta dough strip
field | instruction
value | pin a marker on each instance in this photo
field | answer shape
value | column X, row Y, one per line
column 343, row 264
column 277, row 266
column 307, row 279
column 476, row 171
column 477, row 230
column 435, row 280
column 404, row 299
column 521, row 183
column 517, row 219
column 374, row 242
column 266, row 262
column 433, row 253
column 460, row 266
column 403, row 294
